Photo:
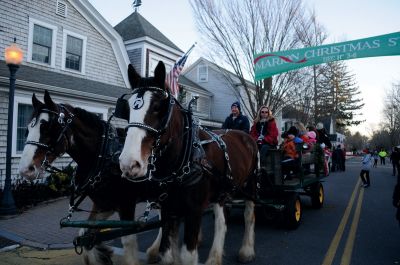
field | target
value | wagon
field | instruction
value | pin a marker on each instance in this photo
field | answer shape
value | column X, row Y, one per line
column 279, row 194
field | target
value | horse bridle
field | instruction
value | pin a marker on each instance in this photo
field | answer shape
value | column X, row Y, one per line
column 64, row 125
column 152, row 130
column 156, row 132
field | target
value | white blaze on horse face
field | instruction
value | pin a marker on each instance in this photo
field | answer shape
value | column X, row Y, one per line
column 133, row 160
column 29, row 168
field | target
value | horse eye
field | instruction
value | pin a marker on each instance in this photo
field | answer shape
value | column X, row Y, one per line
column 156, row 107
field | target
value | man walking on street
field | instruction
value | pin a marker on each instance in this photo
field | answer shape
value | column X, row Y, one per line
column 395, row 158
column 365, row 168
column 382, row 154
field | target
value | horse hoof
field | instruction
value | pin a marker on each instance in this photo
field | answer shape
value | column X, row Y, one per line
column 152, row 259
column 246, row 259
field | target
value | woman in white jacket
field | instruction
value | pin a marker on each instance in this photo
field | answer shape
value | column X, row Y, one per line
column 365, row 168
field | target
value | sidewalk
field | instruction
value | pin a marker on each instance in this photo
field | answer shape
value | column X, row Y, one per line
column 36, row 238
column 39, row 227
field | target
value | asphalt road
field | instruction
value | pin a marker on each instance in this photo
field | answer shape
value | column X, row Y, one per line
column 355, row 226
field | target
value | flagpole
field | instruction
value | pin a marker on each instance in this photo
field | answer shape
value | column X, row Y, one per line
column 190, row 49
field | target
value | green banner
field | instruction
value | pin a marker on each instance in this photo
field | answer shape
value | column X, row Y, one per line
column 269, row 64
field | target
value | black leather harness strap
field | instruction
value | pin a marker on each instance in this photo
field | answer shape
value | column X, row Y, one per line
column 221, row 144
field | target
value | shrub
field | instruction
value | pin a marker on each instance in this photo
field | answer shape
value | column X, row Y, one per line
column 27, row 194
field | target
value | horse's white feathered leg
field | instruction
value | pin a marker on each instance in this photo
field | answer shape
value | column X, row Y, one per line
column 189, row 257
column 153, row 251
column 246, row 252
column 167, row 258
column 100, row 254
column 131, row 254
column 216, row 252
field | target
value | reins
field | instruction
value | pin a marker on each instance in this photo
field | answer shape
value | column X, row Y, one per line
column 95, row 175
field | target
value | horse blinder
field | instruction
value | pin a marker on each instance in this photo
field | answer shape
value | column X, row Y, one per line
column 122, row 109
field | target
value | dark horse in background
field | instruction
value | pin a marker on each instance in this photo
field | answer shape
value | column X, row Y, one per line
column 56, row 129
column 155, row 149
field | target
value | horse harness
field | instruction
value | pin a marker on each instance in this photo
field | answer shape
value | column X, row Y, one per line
column 50, row 148
column 193, row 160
column 109, row 149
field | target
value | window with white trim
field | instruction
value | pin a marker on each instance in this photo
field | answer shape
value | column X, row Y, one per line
column 23, row 118
column 41, row 42
column 73, row 52
column 202, row 73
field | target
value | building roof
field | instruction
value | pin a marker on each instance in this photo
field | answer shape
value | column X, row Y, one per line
column 50, row 78
column 136, row 26
column 217, row 68
column 184, row 81
column 85, row 8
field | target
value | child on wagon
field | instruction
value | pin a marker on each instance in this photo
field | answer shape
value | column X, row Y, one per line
column 290, row 155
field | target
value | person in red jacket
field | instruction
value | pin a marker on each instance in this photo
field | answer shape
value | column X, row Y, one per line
column 265, row 132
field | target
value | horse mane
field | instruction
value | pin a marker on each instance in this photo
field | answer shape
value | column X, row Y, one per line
column 90, row 118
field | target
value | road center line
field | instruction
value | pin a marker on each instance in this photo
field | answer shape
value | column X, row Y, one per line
column 348, row 249
column 330, row 254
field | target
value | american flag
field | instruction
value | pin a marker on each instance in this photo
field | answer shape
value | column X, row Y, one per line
column 172, row 78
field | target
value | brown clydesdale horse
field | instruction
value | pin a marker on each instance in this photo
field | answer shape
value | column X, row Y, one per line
column 193, row 165
column 56, row 129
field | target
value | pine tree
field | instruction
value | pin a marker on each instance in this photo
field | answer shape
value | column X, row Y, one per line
column 339, row 96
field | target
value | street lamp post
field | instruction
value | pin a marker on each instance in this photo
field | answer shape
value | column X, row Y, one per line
column 13, row 56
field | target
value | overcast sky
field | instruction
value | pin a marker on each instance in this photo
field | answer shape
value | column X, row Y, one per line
column 343, row 20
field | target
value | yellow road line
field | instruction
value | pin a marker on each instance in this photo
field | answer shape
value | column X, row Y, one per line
column 348, row 249
column 339, row 232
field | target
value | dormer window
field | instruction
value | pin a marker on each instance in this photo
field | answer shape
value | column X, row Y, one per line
column 41, row 43
column 202, row 73
column 74, row 52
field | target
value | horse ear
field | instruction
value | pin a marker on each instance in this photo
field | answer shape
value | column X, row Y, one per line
column 48, row 101
column 159, row 74
column 134, row 77
column 35, row 102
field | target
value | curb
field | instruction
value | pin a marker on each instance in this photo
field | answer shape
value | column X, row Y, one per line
column 34, row 244
column 9, row 248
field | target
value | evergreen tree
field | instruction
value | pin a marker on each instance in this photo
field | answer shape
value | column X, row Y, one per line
column 339, row 96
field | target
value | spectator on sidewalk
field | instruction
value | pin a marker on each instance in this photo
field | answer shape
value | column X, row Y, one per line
column 343, row 165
